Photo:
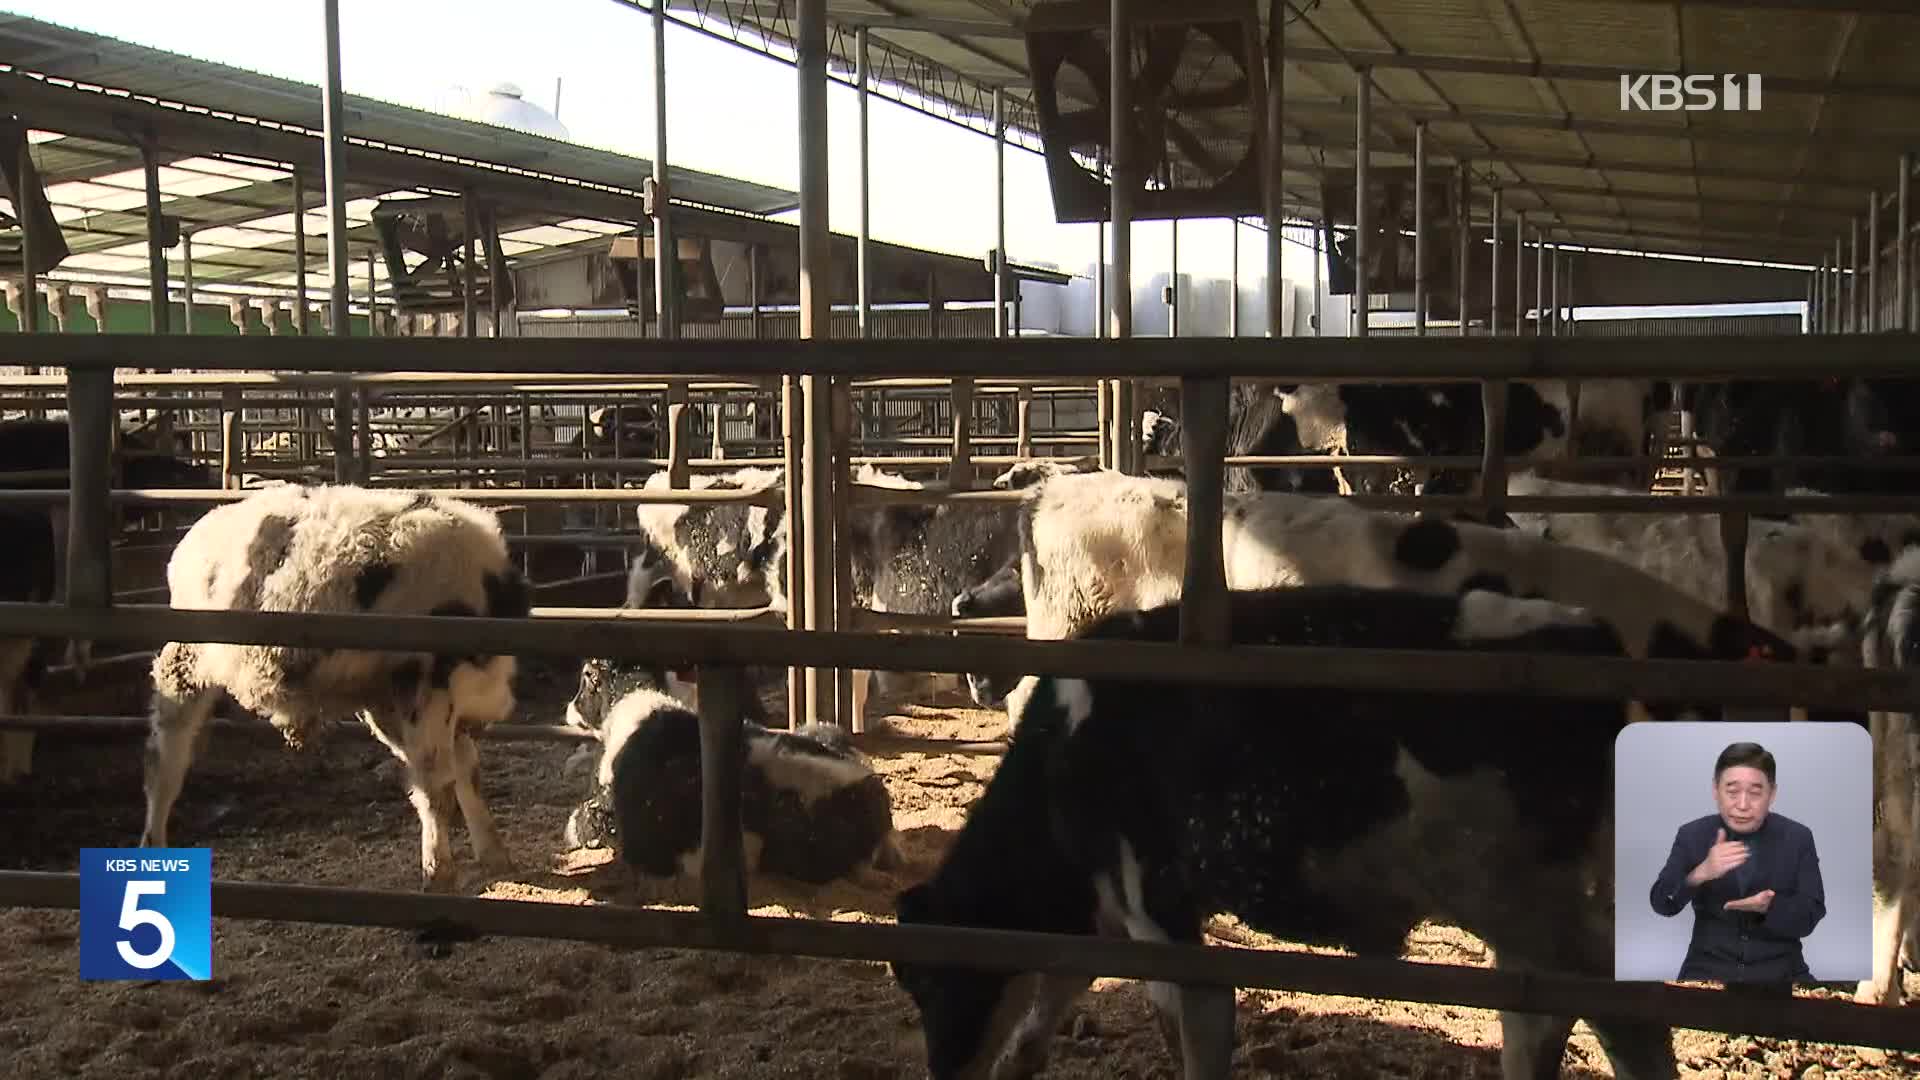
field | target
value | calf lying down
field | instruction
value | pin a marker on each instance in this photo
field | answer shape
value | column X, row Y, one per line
column 1334, row 817
column 811, row 809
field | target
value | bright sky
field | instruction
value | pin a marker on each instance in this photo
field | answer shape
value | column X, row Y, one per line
column 731, row 111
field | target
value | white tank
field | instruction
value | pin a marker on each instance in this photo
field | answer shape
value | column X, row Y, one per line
column 503, row 106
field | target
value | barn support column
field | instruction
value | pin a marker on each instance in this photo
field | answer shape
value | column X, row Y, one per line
column 1205, row 612
column 158, row 307
column 1839, row 321
column 333, row 118
column 1539, row 282
column 16, row 747
column 1317, row 255
column 1125, row 419
column 753, row 291
column 1462, row 237
column 999, row 259
column 186, row 276
column 1420, row 229
column 1903, row 298
column 469, row 303
column 1873, row 262
column 1272, row 164
column 862, row 271
column 1233, row 281
column 1853, row 279
column 1363, row 140
column 1493, row 319
column 1553, row 290
column 1813, row 299
column 659, row 192
column 300, row 253
column 1173, row 280
column 1519, row 273
column 816, row 322
column 723, row 760
column 496, row 275
column 90, row 438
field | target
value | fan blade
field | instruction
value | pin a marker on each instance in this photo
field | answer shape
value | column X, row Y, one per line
column 1223, row 97
column 1085, row 127
column 1196, row 150
column 1162, row 63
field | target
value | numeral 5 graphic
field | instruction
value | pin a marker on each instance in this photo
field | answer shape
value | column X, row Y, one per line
column 133, row 916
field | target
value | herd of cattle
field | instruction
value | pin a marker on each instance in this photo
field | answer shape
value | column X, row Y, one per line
column 1333, row 817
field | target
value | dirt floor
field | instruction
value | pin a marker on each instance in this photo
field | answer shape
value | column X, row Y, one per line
column 293, row 1000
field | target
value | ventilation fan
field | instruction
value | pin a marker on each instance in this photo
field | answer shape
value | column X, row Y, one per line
column 1197, row 87
column 423, row 242
column 24, row 189
column 1390, row 219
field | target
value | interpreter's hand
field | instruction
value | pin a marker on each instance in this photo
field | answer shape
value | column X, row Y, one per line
column 1758, row 903
column 1723, row 856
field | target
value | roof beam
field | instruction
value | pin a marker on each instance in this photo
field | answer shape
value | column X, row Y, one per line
column 1496, row 155
column 1592, row 126
column 1521, row 69
column 1824, row 7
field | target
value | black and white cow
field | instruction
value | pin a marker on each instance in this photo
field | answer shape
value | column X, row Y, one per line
column 1418, row 420
column 1096, row 543
column 1859, row 418
column 1892, row 632
column 906, row 559
column 27, row 575
column 811, row 808
column 38, row 445
column 1333, row 817
column 345, row 549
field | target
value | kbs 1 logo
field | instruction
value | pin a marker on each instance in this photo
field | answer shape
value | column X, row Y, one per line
column 146, row 913
column 1691, row 93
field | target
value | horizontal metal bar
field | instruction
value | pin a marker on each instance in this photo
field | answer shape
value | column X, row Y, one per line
column 1531, row 675
column 1430, row 359
column 1367, row 977
column 661, row 497
column 113, row 727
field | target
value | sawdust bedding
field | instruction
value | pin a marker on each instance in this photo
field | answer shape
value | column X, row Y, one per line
column 291, row 1000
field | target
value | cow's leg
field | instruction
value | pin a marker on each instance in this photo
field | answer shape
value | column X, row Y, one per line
column 1889, row 921
column 16, row 747
column 1026, row 1053
column 862, row 689
column 1196, row 1021
column 178, row 719
column 1532, row 1045
column 421, row 736
column 1636, row 1051
column 488, row 850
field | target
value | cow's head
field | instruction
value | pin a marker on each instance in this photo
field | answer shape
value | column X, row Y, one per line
column 998, row 596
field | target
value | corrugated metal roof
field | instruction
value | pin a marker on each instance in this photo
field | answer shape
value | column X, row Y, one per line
column 1528, row 91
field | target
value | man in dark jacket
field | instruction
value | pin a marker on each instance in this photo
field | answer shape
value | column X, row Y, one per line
column 1751, row 876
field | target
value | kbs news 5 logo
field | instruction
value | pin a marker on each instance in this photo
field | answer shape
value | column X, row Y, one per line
column 146, row 913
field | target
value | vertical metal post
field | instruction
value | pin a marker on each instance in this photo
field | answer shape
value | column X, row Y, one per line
column 666, row 252
column 30, row 284
column 862, row 273
column 1233, row 282
column 90, row 434
column 1539, row 283
column 1173, row 282
column 1519, row 273
column 753, row 290
column 1205, row 612
column 373, row 313
column 186, row 274
column 1363, row 132
column 1813, row 301
column 1553, row 290
column 1420, row 228
column 1099, row 279
column 1853, row 278
column 1274, row 238
column 1120, row 101
column 1493, row 315
column 156, row 249
column 815, row 321
column 300, row 253
column 1463, row 229
column 1903, row 301
column 723, row 756
column 1273, row 160
column 999, row 213
column 1873, row 262
column 496, row 277
column 332, row 116
column 1837, row 323
column 469, row 303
